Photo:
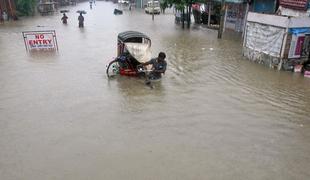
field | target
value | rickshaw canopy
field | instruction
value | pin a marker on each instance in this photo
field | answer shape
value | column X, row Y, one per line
column 136, row 43
column 128, row 36
column 140, row 51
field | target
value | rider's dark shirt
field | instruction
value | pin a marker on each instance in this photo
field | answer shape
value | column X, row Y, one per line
column 81, row 19
column 158, row 66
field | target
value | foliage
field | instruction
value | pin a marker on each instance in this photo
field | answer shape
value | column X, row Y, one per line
column 217, row 8
column 163, row 4
column 179, row 4
column 25, row 7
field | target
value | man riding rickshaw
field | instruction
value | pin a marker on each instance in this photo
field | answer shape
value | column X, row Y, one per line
column 133, row 57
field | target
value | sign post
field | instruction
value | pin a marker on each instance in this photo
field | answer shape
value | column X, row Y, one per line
column 153, row 10
column 221, row 27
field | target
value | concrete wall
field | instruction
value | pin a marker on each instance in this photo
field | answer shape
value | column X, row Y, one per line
column 261, row 58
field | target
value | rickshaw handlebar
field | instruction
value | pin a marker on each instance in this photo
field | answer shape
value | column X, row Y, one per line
column 141, row 68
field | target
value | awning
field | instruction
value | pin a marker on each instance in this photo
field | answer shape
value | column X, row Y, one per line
column 297, row 31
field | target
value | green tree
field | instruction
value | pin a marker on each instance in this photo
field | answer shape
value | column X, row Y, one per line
column 185, row 5
column 25, row 7
column 163, row 6
column 181, row 5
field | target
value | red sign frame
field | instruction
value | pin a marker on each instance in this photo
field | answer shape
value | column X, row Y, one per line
column 40, row 40
column 295, row 4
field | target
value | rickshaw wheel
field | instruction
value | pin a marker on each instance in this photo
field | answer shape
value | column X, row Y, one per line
column 113, row 68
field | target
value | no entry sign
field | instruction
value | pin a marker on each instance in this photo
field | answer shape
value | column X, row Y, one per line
column 40, row 40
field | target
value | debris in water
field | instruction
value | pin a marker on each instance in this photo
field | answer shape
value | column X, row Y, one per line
column 117, row 12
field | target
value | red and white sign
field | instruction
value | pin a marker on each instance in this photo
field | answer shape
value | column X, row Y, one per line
column 296, row 46
column 40, row 40
column 295, row 4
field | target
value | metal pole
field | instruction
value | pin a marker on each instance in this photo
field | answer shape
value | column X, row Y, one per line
column 225, row 16
column 25, row 41
column 308, row 52
column 55, row 38
column 245, row 18
column 187, row 17
column 1, row 14
column 11, row 10
column 183, row 18
column 189, row 14
column 153, row 10
column 209, row 14
column 220, row 31
column 282, row 51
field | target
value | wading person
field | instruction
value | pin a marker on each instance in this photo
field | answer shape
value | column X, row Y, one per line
column 91, row 4
column 1, row 18
column 306, row 66
column 5, row 16
column 81, row 20
column 64, row 18
column 159, row 65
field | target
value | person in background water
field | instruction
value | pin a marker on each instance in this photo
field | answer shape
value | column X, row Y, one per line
column 81, row 20
column 5, row 16
column 306, row 66
column 1, row 18
column 159, row 66
column 64, row 18
column 91, row 4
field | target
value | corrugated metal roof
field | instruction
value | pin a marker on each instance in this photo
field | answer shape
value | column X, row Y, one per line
column 231, row 1
column 295, row 4
column 235, row 1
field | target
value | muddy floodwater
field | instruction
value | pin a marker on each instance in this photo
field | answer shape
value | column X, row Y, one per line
column 214, row 115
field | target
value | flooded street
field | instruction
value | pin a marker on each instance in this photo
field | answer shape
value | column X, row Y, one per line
column 214, row 115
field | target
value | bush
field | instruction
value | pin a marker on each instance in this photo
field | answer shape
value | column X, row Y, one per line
column 25, row 7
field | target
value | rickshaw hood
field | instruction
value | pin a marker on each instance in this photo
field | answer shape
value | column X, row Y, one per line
column 140, row 51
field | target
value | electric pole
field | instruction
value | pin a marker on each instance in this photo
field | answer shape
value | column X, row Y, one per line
column 220, row 32
column 153, row 10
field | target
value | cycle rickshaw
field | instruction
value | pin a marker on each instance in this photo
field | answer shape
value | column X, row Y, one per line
column 133, row 49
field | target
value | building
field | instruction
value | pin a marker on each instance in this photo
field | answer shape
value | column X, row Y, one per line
column 8, row 7
column 141, row 3
column 277, row 41
column 235, row 13
column 294, row 9
column 264, row 6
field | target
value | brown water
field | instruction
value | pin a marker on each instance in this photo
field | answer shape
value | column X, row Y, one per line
column 214, row 115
